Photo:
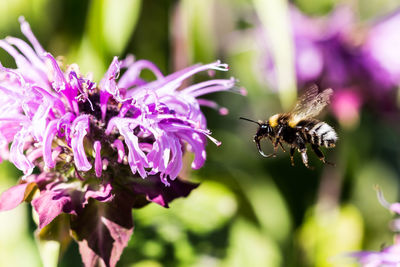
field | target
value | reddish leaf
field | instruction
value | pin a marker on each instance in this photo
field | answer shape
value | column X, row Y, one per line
column 103, row 229
column 156, row 191
column 102, row 192
column 50, row 204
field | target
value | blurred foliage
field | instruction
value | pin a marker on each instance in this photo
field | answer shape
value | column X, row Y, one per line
column 106, row 37
column 326, row 234
column 274, row 16
column 248, row 211
column 16, row 236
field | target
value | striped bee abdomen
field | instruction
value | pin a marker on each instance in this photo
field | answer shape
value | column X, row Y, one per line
column 322, row 134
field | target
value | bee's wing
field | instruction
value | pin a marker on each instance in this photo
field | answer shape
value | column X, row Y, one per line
column 310, row 104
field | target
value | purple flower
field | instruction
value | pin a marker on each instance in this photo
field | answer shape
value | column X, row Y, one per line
column 389, row 256
column 321, row 47
column 100, row 149
column 381, row 50
column 346, row 106
column 334, row 51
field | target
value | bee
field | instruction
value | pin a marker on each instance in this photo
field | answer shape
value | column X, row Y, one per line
column 298, row 127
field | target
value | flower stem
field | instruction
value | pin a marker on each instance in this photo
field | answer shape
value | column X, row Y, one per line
column 276, row 24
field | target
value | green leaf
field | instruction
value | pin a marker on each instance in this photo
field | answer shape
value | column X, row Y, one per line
column 267, row 203
column 211, row 206
column 326, row 235
column 53, row 239
column 109, row 27
column 14, row 227
column 207, row 208
column 376, row 217
column 248, row 246
column 119, row 21
column 198, row 29
column 269, row 207
column 49, row 252
column 316, row 7
column 147, row 263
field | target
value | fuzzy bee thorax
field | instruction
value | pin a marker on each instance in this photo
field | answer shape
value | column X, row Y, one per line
column 273, row 120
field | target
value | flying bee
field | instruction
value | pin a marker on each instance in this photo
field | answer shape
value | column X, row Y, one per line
column 299, row 127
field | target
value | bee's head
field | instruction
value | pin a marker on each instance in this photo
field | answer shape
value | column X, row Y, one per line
column 264, row 130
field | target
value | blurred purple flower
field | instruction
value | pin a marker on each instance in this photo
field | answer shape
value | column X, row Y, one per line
column 321, row 49
column 320, row 46
column 346, row 106
column 381, row 50
column 100, row 149
column 334, row 51
column 389, row 256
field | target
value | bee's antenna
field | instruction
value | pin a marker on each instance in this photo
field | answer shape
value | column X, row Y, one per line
column 246, row 119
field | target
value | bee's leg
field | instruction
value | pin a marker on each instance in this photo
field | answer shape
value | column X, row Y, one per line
column 304, row 157
column 292, row 150
column 303, row 150
column 320, row 155
column 276, row 143
column 260, row 150
column 272, row 140
column 283, row 149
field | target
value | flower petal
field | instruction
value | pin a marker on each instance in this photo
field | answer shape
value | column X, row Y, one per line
column 131, row 75
column 80, row 127
column 120, row 148
column 17, row 155
column 136, row 157
column 12, row 197
column 102, row 192
column 26, row 30
column 51, row 131
column 50, row 204
column 98, row 166
column 108, row 83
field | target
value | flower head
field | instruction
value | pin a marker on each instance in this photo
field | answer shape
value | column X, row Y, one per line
column 101, row 148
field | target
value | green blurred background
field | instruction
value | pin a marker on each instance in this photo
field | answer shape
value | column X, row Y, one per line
column 248, row 211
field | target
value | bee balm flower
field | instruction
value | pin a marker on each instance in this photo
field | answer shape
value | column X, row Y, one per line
column 100, row 149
